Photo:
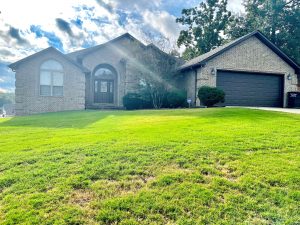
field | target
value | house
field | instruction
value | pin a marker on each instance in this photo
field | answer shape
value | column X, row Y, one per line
column 97, row 77
column 8, row 109
column 251, row 70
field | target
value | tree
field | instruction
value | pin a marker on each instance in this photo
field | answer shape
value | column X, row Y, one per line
column 278, row 19
column 210, row 25
column 157, row 89
column 165, row 44
column 154, row 70
column 205, row 27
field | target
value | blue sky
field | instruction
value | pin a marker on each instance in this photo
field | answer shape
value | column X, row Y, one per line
column 68, row 25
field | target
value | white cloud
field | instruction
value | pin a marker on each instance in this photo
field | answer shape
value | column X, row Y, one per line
column 236, row 6
column 8, row 90
column 131, row 5
column 21, row 15
column 162, row 22
column 140, row 16
column 44, row 14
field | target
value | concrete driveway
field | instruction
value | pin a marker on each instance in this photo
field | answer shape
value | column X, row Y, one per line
column 287, row 110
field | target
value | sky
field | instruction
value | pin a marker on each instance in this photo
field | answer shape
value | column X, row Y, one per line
column 29, row 26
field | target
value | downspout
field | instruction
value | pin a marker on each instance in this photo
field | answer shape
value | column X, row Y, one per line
column 87, row 89
column 195, row 101
column 196, row 79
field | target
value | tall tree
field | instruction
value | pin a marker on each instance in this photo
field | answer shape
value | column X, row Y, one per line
column 278, row 19
column 205, row 27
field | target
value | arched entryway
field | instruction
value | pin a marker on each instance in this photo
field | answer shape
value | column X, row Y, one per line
column 105, row 84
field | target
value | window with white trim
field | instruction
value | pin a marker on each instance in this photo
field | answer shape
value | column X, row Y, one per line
column 51, row 78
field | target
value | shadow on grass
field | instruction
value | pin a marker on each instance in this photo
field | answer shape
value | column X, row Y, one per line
column 68, row 119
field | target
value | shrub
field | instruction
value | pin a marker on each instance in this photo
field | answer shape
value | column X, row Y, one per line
column 136, row 101
column 175, row 99
column 156, row 90
column 144, row 100
column 210, row 96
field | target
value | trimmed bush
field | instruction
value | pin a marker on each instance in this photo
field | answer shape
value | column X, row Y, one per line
column 175, row 99
column 142, row 100
column 136, row 101
column 209, row 96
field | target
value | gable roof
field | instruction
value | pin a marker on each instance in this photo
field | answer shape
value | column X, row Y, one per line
column 14, row 65
column 202, row 59
column 80, row 54
column 83, row 52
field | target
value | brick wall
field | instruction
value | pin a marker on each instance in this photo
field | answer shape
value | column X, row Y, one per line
column 131, row 60
column 250, row 55
column 28, row 99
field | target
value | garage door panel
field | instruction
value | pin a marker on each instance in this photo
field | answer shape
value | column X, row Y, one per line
column 251, row 89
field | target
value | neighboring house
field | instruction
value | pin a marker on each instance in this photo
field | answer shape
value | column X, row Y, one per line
column 251, row 70
column 8, row 109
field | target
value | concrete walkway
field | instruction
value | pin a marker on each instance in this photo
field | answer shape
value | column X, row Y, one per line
column 287, row 110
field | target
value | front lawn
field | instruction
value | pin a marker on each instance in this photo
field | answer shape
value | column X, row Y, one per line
column 199, row 166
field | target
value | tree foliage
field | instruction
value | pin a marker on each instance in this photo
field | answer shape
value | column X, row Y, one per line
column 156, row 70
column 278, row 19
column 209, row 96
column 156, row 89
column 205, row 25
column 211, row 24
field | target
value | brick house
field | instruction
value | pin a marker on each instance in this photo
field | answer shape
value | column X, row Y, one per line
column 93, row 78
column 251, row 70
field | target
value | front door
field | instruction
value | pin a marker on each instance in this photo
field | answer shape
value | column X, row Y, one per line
column 104, row 91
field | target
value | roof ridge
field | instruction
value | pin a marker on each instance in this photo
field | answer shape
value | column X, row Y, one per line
column 81, row 67
column 90, row 49
column 199, row 60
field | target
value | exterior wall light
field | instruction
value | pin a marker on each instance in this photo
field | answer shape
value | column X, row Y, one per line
column 213, row 71
column 289, row 77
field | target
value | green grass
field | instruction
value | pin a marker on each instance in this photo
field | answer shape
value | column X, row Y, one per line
column 199, row 166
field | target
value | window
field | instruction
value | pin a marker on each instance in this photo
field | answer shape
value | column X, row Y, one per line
column 110, row 87
column 51, row 78
column 103, row 86
column 103, row 71
column 96, row 86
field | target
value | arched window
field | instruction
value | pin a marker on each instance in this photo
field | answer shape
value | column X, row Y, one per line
column 51, row 78
column 102, row 72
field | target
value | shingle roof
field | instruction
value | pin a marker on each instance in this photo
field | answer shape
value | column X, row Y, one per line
column 83, row 52
column 202, row 59
column 16, row 64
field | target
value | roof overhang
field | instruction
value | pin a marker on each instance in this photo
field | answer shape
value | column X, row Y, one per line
column 257, row 34
column 14, row 66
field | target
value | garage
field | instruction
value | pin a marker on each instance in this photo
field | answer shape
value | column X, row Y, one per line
column 251, row 89
column 251, row 70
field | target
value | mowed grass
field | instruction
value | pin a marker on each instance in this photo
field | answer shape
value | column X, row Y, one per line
column 198, row 166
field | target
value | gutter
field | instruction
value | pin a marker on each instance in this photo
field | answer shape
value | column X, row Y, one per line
column 199, row 64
